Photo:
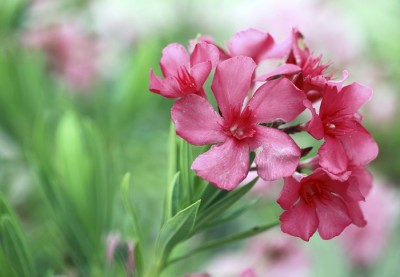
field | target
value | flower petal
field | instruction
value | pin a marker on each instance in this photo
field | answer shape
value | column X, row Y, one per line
column 278, row 99
column 314, row 126
column 356, row 214
column 300, row 221
column 360, row 147
column 251, row 43
column 361, row 178
column 173, row 57
column 204, row 52
column 332, row 156
column 196, row 121
column 290, row 193
column 285, row 69
column 200, row 73
column 224, row 165
column 231, row 83
column 333, row 217
column 166, row 87
column 277, row 154
column 347, row 101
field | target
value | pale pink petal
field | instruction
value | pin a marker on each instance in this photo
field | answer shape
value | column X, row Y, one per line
column 360, row 147
column 332, row 156
column 278, row 99
column 300, row 221
column 204, row 52
column 290, row 193
column 251, row 43
column 200, row 73
column 248, row 273
column 232, row 82
column 196, row 121
column 224, row 165
column 277, row 155
column 173, row 57
column 333, row 217
column 286, row 69
column 314, row 126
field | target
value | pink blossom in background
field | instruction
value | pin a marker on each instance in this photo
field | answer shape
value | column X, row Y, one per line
column 184, row 74
column 365, row 245
column 114, row 241
column 267, row 255
column 237, row 132
column 317, row 202
column 71, row 52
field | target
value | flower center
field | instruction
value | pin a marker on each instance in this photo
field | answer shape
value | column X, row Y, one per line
column 242, row 126
column 186, row 81
column 313, row 190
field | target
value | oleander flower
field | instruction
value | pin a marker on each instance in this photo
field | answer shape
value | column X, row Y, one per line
column 317, row 202
column 184, row 74
column 346, row 141
column 237, row 130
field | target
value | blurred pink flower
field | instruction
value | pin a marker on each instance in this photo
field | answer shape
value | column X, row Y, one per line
column 72, row 54
column 115, row 243
column 365, row 245
column 266, row 255
column 198, row 275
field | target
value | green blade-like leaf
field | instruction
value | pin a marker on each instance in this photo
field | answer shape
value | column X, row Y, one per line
column 221, row 204
column 170, row 200
column 176, row 230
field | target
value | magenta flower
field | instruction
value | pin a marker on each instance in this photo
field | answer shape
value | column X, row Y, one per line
column 183, row 74
column 317, row 202
column 238, row 130
column 346, row 140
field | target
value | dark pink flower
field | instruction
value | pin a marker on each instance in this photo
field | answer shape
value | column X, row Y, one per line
column 184, row 74
column 237, row 131
column 317, row 202
column 338, row 123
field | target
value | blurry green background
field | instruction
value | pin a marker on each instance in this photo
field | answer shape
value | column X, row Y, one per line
column 76, row 114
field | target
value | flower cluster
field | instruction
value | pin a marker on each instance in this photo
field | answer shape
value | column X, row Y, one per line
column 255, row 113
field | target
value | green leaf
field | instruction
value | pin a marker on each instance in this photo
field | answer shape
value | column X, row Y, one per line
column 171, row 201
column 220, row 203
column 176, row 230
column 185, row 163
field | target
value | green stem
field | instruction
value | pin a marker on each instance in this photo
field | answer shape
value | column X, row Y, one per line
column 249, row 233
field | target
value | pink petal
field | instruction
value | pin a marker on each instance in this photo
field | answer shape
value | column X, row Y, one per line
column 332, row 156
column 166, row 87
column 361, row 178
column 173, row 57
column 314, row 126
column 251, row 43
column 204, row 52
column 359, row 145
column 224, row 165
column 300, row 221
column 348, row 101
column 278, row 99
column 196, row 121
column 356, row 214
column 200, row 73
column 286, row 69
column 333, row 217
column 231, row 83
column 277, row 154
column 290, row 193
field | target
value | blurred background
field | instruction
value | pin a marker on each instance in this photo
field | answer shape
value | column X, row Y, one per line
column 76, row 114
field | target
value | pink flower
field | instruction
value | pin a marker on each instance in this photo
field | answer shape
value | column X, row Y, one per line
column 198, row 275
column 183, row 74
column 365, row 245
column 72, row 54
column 306, row 71
column 319, row 202
column 115, row 244
column 237, row 131
column 346, row 140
